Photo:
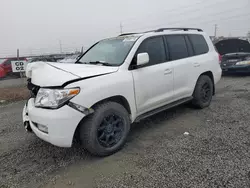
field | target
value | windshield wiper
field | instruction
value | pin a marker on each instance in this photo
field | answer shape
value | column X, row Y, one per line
column 96, row 63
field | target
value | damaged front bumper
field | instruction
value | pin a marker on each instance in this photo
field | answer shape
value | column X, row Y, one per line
column 56, row 126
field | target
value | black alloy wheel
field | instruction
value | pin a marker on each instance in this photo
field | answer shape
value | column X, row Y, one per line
column 106, row 130
column 110, row 131
column 205, row 92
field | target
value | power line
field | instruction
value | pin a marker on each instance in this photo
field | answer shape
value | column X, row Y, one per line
column 169, row 10
column 225, row 19
column 177, row 11
column 176, row 21
column 195, row 20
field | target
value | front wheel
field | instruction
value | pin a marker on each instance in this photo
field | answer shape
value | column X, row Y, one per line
column 105, row 131
column 203, row 92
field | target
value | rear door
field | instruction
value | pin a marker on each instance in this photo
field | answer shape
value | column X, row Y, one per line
column 180, row 51
column 154, row 81
column 202, row 60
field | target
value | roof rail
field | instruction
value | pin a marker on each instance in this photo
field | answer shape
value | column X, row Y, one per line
column 124, row 34
column 178, row 28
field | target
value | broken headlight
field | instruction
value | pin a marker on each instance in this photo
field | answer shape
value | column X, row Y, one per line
column 54, row 98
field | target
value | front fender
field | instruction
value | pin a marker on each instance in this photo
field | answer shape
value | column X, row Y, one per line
column 99, row 88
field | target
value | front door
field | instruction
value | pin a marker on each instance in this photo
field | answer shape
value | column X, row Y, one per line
column 153, row 82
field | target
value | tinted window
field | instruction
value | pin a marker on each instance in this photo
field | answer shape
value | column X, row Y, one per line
column 199, row 44
column 189, row 47
column 155, row 49
column 177, row 47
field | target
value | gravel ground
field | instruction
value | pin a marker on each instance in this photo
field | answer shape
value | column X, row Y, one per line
column 216, row 153
column 11, row 82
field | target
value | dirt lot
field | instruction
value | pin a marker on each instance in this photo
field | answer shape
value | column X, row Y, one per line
column 216, row 153
column 10, row 83
column 14, row 94
column 13, row 90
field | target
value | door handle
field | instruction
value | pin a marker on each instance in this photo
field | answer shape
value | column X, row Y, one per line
column 167, row 71
column 197, row 64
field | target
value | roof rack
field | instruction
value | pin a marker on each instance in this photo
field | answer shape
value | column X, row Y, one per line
column 177, row 28
column 163, row 29
column 124, row 34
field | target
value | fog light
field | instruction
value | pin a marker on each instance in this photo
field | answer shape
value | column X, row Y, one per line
column 42, row 128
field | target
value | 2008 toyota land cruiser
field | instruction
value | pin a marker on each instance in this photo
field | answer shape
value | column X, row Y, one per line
column 119, row 81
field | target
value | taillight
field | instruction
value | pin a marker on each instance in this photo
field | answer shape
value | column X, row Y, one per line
column 220, row 58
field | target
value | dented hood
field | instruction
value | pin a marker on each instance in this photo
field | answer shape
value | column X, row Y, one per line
column 47, row 74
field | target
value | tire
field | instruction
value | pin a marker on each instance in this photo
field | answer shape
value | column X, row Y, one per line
column 106, row 120
column 203, row 92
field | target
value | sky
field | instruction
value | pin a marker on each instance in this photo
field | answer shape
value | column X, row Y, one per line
column 40, row 26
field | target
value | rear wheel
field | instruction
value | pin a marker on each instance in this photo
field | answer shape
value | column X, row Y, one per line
column 105, row 131
column 203, row 92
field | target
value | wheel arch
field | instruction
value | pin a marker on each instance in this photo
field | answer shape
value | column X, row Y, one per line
column 117, row 98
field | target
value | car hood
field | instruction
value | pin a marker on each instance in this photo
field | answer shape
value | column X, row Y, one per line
column 227, row 46
column 46, row 74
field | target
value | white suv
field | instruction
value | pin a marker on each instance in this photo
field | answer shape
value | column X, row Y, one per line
column 119, row 81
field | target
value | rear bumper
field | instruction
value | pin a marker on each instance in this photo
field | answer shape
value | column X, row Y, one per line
column 236, row 69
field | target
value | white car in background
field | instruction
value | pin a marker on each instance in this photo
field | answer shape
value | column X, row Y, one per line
column 119, row 81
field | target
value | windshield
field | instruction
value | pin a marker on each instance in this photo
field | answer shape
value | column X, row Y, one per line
column 2, row 60
column 112, row 51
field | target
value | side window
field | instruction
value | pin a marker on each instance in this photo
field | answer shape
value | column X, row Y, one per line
column 199, row 44
column 155, row 49
column 177, row 47
column 189, row 47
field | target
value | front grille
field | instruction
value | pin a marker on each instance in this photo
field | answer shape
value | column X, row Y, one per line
column 33, row 88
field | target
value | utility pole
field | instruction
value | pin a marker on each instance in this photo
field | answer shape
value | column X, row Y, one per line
column 82, row 50
column 121, row 28
column 17, row 55
column 60, row 44
column 215, row 30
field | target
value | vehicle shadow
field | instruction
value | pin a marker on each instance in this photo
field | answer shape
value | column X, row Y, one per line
column 157, row 121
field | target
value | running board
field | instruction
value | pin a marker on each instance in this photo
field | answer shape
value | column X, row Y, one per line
column 162, row 108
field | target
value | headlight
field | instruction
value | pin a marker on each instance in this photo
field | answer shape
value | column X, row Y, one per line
column 54, row 98
column 243, row 63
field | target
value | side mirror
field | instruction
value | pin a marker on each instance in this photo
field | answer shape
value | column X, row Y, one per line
column 142, row 59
